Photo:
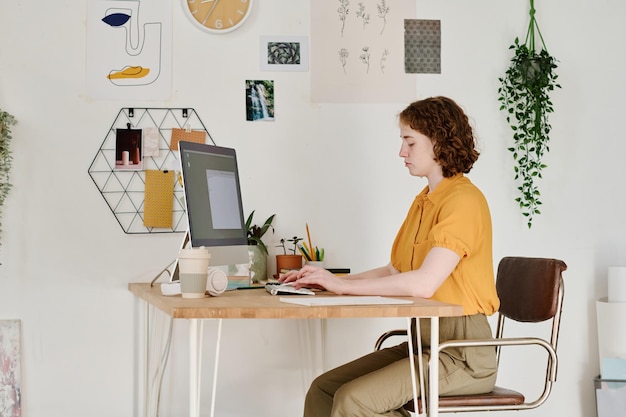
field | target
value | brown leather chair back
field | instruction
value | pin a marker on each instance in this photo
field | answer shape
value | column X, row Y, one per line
column 528, row 288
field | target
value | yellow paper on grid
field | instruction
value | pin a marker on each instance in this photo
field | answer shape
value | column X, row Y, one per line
column 158, row 198
column 198, row 136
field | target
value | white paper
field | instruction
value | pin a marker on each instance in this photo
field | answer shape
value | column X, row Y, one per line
column 150, row 141
column 344, row 301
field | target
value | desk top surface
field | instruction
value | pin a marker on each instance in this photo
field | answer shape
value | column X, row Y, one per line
column 258, row 304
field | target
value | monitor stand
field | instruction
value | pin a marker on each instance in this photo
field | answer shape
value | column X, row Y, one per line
column 172, row 267
column 221, row 255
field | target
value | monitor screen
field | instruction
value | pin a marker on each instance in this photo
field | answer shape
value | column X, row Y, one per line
column 213, row 202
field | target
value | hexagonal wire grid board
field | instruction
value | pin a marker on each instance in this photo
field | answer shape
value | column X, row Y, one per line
column 123, row 190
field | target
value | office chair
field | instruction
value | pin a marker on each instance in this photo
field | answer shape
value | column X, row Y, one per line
column 530, row 291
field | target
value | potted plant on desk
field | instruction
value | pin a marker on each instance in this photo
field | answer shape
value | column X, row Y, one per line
column 289, row 261
column 257, row 249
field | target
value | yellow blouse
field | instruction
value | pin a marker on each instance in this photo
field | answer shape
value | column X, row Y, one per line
column 454, row 216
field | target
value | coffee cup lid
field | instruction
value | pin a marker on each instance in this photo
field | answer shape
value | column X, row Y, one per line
column 200, row 252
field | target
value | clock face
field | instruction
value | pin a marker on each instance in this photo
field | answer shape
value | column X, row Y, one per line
column 217, row 16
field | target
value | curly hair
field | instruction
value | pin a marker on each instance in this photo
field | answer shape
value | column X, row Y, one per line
column 445, row 123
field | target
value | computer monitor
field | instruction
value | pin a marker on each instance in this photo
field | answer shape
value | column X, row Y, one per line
column 213, row 202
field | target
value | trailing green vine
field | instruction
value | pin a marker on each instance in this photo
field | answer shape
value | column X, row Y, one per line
column 6, row 159
column 525, row 96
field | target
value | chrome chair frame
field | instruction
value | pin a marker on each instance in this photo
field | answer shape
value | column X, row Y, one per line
column 502, row 398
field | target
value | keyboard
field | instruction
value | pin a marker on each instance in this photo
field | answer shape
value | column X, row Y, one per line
column 287, row 289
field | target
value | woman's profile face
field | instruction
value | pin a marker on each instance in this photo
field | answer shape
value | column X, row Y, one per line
column 417, row 152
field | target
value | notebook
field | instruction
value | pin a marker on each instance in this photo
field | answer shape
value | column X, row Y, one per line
column 344, row 301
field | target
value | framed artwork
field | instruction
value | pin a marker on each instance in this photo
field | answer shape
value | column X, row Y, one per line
column 359, row 52
column 284, row 53
column 10, row 375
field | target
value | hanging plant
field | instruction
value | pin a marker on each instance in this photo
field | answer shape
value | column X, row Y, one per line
column 525, row 96
column 6, row 121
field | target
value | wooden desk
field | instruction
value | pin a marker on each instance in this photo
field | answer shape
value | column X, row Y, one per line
column 259, row 304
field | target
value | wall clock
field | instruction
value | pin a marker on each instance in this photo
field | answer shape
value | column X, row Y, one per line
column 217, row 16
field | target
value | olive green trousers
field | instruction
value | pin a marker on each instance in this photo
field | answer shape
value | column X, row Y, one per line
column 380, row 383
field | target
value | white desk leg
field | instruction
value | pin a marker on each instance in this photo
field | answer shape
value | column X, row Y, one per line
column 433, row 374
column 217, row 360
column 195, row 363
column 420, row 368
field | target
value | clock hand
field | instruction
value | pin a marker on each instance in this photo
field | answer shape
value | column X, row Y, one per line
column 210, row 11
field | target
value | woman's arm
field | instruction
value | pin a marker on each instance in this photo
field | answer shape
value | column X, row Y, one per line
column 380, row 272
column 423, row 282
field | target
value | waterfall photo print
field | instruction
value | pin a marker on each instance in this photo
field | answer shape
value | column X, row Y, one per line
column 259, row 100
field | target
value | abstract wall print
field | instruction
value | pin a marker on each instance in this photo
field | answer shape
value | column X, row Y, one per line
column 129, row 49
column 422, row 46
column 284, row 53
column 259, row 100
column 10, row 380
column 358, row 51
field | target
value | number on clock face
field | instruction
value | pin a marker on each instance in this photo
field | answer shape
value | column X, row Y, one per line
column 218, row 15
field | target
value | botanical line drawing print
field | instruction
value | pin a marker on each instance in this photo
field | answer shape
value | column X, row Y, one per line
column 343, row 57
column 343, row 13
column 383, row 9
column 359, row 51
column 383, row 58
column 361, row 13
column 365, row 58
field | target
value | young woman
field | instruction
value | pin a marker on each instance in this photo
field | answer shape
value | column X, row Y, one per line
column 442, row 251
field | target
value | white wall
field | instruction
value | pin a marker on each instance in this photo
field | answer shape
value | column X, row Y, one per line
column 66, row 262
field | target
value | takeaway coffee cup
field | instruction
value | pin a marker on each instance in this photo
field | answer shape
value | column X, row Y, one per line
column 193, row 267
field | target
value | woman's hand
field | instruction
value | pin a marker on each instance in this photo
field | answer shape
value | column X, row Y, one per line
column 289, row 276
column 314, row 277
